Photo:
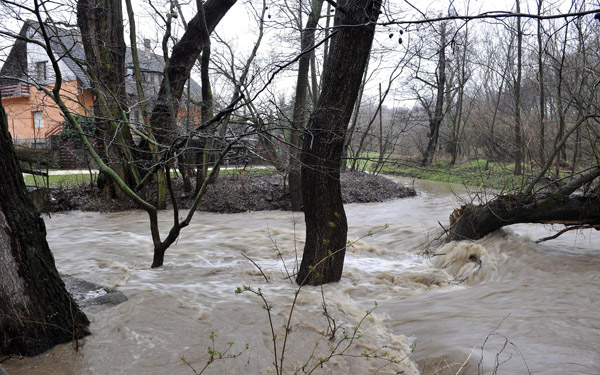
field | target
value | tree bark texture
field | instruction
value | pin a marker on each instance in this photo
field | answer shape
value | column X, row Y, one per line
column 161, row 189
column 183, row 57
column 475, row 221
column 206, row 153
column 36, row 311
column 101, row 25
column 436, row 120
column 301, row 110
column 326, row 224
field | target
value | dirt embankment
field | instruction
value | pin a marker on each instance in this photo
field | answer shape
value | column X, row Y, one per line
column 234, row 193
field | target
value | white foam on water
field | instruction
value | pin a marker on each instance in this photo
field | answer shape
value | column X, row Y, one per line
column 543, row 298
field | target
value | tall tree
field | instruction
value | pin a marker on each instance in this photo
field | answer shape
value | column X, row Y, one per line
column 161, row 180
column 101, row 25
column 36, row 311
column 542, row 79
column 436, row 117
column 183, row 57
column 307, row 43
column 518, row 146
column 463, row 74
column 326, row 224
column 185, row 52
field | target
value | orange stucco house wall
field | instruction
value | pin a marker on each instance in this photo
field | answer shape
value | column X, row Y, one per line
column 32, row 115
column 21, row 106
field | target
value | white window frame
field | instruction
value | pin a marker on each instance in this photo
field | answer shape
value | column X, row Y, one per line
column 38, row 120
column 41, row 71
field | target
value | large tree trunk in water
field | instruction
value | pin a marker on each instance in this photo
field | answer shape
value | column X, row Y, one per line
column 326, row 225
column 560, row 206
column 475, row 221
column 307, row 42
column 36, row 311
column 101, row 25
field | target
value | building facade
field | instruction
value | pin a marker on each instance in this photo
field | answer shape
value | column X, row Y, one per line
column 27, row 73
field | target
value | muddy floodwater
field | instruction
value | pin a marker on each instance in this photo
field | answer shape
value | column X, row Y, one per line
column 502, row 305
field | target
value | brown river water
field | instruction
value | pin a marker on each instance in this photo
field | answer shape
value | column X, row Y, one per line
column 502, row 305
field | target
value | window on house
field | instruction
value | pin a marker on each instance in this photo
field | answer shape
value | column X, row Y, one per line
column 40, row 70
column 38, row 119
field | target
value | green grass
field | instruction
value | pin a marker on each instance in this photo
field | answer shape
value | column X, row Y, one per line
column 365, row 160
column 70, row 180
column 477, row 172
column 58, row 181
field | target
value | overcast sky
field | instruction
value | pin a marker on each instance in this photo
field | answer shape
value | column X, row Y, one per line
column 239, row 26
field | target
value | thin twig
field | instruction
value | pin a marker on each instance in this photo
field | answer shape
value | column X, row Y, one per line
column 567, row 229
column 465, row 362
column 280, row 255
column 257, row 266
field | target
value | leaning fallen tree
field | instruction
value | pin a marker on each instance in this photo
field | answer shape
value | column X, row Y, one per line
column 575, row 204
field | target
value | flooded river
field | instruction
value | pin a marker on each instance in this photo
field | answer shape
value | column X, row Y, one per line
column 501, row 305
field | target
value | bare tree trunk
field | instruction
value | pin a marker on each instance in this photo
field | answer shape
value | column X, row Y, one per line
column 160, row 245
column 184, row 56
column 37, row 312
column 314, row 76
column 547, row 207
column 207, row 100
column 161, row 200
column 351, row 130
column 326, row 224
column 493, row 149
column 542, row 88
column 561, row 106
column 438, row 116
column 381, row 149
column 101, row 25
column 307, row 42
column 549, row 204
column 462, row 81
column 518, row 148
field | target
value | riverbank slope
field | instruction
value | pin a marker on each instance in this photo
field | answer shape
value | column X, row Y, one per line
column 232, row 193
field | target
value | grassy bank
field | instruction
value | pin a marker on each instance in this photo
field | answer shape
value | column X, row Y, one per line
column 59, row 180
column 478, row 172
column 69, row 179
column 475, row 173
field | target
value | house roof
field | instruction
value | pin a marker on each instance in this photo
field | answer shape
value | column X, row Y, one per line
column 67, row 47
column 63, row 43
column 13, row 69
